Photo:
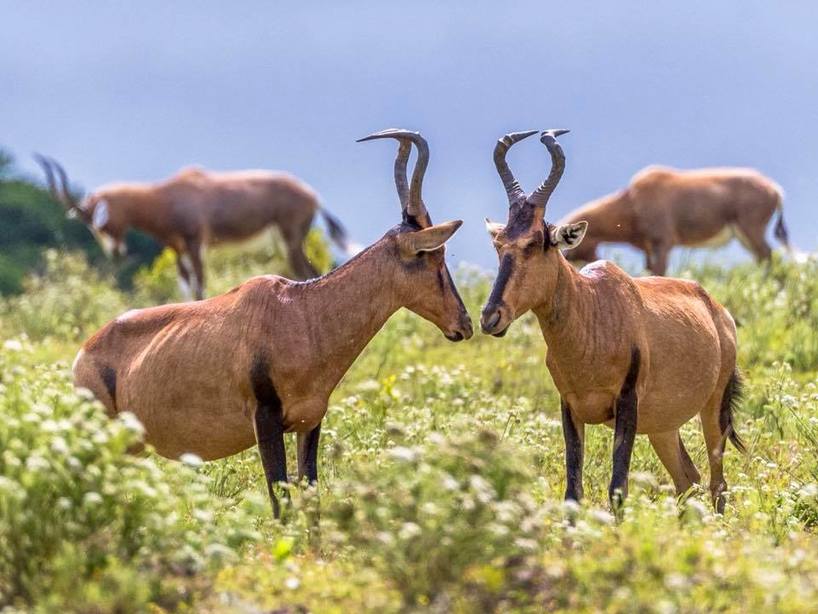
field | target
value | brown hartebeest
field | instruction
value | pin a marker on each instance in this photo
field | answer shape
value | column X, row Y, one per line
column 643, row 355
column 216, row 376
column 196, row 208
column 663, row 207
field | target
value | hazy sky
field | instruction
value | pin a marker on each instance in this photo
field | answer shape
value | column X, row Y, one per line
column 137, row 91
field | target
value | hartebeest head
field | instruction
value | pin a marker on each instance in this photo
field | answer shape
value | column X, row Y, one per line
column 93, row 211
column 419, row 247
column 527, row 246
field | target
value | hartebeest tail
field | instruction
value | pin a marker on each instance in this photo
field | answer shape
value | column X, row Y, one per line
column 663, row 207
column 216, row 376
column 730, row 401
column 196, row 208
column 642, row 355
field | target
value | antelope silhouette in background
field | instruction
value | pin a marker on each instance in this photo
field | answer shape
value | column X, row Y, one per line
column 664, row 207
column 196, row 208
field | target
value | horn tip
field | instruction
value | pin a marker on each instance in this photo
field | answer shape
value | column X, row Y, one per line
column 554, row 132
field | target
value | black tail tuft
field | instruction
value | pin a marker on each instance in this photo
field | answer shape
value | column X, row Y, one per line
column 780, row 231
column 337, row 232
column 733, row 394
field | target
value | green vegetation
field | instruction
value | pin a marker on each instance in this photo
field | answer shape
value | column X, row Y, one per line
column 33, row 222
column 441, row 473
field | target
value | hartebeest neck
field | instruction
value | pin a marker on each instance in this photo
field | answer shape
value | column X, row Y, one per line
column 567, row 316
column 346, row 307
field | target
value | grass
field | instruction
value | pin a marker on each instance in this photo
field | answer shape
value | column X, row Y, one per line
column 441, row 476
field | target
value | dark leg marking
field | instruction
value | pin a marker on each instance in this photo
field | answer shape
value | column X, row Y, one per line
column 269, row 424
column 573, row 455
column 311, row 455
column 624, row 433
column 108, row 376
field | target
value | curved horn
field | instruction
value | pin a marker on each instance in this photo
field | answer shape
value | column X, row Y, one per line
column 414, row 208
column 45, row 164
column 513, row 189
column 540, row 196
column 63, row 195
column 401, row 161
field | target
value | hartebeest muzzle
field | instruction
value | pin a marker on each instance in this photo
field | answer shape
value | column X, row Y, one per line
column 464, row 331
column 495, row 320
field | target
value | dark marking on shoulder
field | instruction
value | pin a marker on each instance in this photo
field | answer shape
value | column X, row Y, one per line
column 503, row 275
column 108, row 376
column 629, row 385
column 263, row 387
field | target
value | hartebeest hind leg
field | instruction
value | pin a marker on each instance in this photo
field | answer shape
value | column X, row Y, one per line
column 294, row 239
column 194, row 250
column 184, row 275
column 751, row 236
column 715, row 441
column 656, row 256
column 670, row 450
column 574, row 434
column 625, row 420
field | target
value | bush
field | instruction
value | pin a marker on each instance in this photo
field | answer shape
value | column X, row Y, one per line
column 68, row 301
column 84, row 522
column 454, row 512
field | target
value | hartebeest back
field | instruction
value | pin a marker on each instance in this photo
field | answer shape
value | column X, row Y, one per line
column 196, row 208
column 216, row 376
column 643, row 355
column 663, row 208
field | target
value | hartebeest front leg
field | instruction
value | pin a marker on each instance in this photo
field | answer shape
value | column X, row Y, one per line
column 574, row 434
column 269, row 425
column 624, row 433
column 308, row 455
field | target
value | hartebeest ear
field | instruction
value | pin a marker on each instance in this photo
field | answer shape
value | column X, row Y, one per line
column 494, row 228
column 428, row 239
column 568, row 236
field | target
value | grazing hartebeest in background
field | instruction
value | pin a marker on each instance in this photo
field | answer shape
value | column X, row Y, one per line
column 663, row 207
column 643, row 355
column 196, row 208
column 214, row 377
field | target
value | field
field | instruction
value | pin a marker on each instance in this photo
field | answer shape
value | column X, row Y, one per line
column 441, row 475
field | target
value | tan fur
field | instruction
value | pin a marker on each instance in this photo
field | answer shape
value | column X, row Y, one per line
column 592, row 321
column 196, row 208
column 663, row 208
column 187, row 370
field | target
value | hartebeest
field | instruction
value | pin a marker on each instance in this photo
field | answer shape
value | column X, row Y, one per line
column 664, row 207
column 216, row 376
column 196, row 208
column 643, row 355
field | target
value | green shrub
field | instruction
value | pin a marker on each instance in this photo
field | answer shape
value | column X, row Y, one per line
column 69, row 301
column 83, row 521
column 434, row 517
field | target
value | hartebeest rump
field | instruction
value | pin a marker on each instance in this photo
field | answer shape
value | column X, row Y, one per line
column 643, row 355
column 216, row 376
column 196, row 208
column 664, row 207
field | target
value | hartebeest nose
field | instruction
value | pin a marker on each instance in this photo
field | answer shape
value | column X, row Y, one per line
column 493, row 320
column 465, row 330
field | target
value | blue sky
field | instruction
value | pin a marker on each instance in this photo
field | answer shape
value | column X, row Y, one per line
column 137, row 91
